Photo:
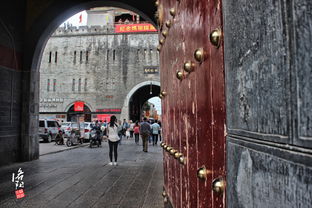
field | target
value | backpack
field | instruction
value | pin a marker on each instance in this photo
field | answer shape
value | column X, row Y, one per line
column 145, row 132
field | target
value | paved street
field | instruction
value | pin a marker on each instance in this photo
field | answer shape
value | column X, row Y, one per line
column 48, row 148
column 81, row 177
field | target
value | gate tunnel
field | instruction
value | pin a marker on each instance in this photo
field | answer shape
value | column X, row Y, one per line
column 139, row 97
column 30, row 26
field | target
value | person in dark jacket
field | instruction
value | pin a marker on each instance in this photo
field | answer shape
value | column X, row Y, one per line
column 145, row 131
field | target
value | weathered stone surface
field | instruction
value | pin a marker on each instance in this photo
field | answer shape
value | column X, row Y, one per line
column 81, row 177
column 115, row 65
column 302, row 65
column 257, row 72
column 263, row 176
column 268, row 66
column 10, row 112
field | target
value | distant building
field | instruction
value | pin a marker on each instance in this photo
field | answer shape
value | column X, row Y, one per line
column 106, row 66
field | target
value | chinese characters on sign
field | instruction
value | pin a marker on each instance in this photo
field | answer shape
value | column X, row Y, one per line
column 19, row 183
column 79, row 105
column 109, row 110
column 130, row 28
column 151, row 70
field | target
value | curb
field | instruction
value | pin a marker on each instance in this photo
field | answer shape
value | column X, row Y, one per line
column 69, row 148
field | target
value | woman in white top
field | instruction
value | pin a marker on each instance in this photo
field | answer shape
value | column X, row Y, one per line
column 113, row 139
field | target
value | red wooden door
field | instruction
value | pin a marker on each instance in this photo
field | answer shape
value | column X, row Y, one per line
column 194, row 105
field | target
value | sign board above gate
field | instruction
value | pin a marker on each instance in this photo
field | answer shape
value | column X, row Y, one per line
column 132, row 28
column 151, row 70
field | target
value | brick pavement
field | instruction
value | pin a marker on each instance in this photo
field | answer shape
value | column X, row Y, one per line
column 81, row 178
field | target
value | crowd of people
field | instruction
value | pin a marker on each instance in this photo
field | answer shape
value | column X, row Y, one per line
column 116, row 130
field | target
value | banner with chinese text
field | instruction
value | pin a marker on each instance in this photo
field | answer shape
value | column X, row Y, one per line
column 130, row 28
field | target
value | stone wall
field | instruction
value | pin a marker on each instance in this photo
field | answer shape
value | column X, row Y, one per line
column 104, row 64
column 267, row 51
column 11, row 42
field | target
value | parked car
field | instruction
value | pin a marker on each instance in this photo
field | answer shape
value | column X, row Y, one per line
column 68, row 126
column 48, row 130
column 87, row 130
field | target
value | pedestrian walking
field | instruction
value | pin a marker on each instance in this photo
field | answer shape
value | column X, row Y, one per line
column 125, row 126
column 150, row 137
column 131, row 128
column 136, row 131
column 155, row 130
column 120, row 131
column 113, row 139
column 159, row 132
column 145, row 130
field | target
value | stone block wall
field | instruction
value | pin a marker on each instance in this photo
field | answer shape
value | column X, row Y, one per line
column 11, row 42
column 267, row 49
column 104, row 64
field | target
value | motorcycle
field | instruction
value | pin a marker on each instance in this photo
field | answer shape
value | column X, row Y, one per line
column 74, row 138
column 95, row 139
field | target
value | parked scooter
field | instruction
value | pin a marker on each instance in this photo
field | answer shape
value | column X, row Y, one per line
column 74, row 138
column 94, row 140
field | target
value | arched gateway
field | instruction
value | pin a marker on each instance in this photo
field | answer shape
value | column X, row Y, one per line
column 252, row 57
column 136, row 97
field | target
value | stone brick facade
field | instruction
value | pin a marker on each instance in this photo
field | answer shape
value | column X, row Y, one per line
column 95, row 65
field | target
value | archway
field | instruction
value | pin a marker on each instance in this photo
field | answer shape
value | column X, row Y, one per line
column 39, row 30
column 137, row 100
column 137, row 96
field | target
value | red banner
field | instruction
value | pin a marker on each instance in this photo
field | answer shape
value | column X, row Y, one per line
column 103, row 117
column 109, row 110
column 130, row 28
column 79, row 105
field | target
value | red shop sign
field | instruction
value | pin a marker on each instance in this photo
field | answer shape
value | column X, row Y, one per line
column 78, row 106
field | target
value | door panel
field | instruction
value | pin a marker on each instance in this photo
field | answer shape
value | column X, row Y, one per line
column 303, row 76
column 258, row 92
column 194, row 107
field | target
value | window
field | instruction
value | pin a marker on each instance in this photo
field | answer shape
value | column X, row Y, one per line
column 41, row 123
column 86, row 84
column 75, row 56
column 50, row 57
column 114, row 55
column 87, row 56
column 48, row 85
column 107, row 55
column 73, row 85
column 80, row 56
column 54, row 84
column 55, row 58
column 79, row 85
column 51, row 124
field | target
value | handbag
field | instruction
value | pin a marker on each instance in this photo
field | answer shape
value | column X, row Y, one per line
column 105, row 138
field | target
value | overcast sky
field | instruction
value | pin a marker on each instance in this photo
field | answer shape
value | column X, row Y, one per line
column 157, row 102
column 74, row 20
